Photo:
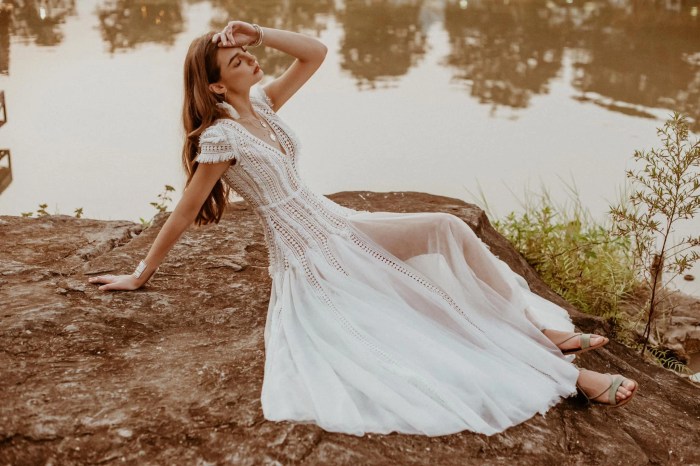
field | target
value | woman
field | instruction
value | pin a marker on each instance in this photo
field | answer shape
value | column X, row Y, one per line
column 377, row 321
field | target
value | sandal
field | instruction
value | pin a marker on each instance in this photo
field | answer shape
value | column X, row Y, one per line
column 616, row 381
column 585, row 344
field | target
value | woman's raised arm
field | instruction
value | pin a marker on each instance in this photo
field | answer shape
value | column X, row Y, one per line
column 203, row 180
column 308, row 51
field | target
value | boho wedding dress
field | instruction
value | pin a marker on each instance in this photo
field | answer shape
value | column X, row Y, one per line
column 383, row 321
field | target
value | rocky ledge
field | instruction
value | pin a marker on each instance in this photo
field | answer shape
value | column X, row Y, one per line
column 171, row 373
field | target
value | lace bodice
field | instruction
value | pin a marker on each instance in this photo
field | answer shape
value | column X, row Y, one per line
column 293, row 217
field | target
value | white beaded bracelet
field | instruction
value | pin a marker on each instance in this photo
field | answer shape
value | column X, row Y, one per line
column 139, row 270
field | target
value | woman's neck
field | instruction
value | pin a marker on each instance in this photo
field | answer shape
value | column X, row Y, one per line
column 242, row 105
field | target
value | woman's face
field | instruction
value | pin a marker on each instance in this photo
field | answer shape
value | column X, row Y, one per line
column 239, row 69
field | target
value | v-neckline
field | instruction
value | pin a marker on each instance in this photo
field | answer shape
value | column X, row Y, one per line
column 261, row 141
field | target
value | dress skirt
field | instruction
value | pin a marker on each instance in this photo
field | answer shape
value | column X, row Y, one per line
column 412, row 326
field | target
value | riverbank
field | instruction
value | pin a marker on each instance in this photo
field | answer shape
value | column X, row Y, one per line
column 171, row 373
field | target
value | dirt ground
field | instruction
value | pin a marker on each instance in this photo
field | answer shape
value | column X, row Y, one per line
column 171, row 373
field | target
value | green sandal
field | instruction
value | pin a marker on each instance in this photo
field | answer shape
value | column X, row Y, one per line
column 612, row 392
column 585, row 344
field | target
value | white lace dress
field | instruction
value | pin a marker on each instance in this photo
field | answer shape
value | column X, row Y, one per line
column 383, row 321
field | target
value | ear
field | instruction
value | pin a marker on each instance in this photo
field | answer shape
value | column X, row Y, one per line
column 217, row 88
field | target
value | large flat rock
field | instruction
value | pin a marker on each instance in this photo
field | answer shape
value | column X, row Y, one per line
column 171, row 373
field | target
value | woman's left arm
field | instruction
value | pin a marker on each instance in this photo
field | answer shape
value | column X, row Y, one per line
column 309, row 53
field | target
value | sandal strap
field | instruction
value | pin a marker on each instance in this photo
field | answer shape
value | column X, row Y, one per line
column 615, row 382
column 585, row 340
column 608, row 388
column 613, row 391
column 564, row 341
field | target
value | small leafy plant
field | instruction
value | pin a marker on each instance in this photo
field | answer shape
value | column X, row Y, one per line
column 164, row 198
column 40, row 212
column 665, row 192
column 161, row 206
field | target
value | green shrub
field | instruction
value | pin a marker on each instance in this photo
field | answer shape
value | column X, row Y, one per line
column 576, row 256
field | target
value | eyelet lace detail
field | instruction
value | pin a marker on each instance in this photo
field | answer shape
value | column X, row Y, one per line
column 300, row 228
column 380, row 256
column 215, row 146
column 294, row 241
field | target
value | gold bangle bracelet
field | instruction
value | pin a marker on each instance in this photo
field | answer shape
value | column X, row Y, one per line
column 260, row 36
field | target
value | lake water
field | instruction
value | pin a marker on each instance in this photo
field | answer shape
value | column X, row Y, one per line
column 445, row 97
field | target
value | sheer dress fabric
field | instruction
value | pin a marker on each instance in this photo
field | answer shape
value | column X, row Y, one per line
column 381, row 321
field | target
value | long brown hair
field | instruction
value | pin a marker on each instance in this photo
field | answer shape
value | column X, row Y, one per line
column 199, row 111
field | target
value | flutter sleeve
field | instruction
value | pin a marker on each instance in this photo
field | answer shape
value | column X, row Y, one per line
column 214, row 146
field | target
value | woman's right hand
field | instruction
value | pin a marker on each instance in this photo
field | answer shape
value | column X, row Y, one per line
column 116, row 282
column 236, row 34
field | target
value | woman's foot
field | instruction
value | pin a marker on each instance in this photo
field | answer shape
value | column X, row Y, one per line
column 593, row 385
column 570, row 342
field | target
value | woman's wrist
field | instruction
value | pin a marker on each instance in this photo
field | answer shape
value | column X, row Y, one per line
column 261, row 36
column 143, row 272
column 301, row 46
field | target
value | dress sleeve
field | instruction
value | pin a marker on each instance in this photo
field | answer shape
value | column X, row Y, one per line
column 214, row 146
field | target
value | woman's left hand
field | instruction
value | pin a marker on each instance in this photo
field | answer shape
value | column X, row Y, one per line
column 236, row 34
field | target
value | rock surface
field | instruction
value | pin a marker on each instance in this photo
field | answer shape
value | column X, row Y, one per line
column 171, row 373
column 680, row 328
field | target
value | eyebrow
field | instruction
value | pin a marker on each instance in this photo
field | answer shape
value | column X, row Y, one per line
column 234, row 56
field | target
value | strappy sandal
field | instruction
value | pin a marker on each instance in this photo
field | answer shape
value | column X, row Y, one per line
column 585, row 344
column 616, row 381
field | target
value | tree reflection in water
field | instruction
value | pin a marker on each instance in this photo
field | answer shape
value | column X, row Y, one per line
column 5, row 12
column 40, row 19
column 636, row 54
column 305, row 16
column 507, row 52
column 126, row 23
column 633, row 53
column 383, row 39
column 643, row 53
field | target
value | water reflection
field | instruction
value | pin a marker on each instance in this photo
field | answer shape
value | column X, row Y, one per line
column 644, row 54
column 126, row 23
column 383, row 39
column 5, row 157
column 632, row 53
column 5, row 169
column 507, row 52
column 40, row 19
column 305, row 16
column 5, row 16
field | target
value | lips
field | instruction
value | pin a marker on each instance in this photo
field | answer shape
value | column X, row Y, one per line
column 257, row 68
